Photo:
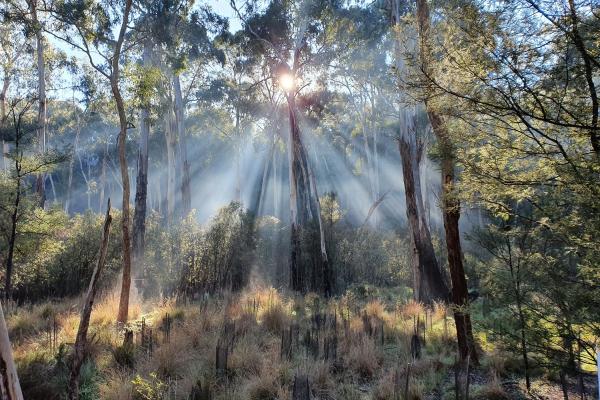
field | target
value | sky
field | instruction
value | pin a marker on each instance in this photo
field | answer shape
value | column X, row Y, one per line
column 223, row 8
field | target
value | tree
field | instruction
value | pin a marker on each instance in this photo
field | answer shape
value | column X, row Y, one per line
column 9, row 384
column 36, row 26
column 284, row 31
column 81, row 338
column 11, row 49
column 95, row 34
column 450, row 201
column 25, row 164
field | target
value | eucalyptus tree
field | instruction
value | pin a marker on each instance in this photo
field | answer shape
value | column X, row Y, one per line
column 88, row 27
column 450, row 201
column 29, row 16
column 179, row 37
column 12, row 54
column 513, row 84
column 293, row 40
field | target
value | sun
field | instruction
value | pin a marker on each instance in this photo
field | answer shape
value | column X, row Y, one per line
column 287, row 82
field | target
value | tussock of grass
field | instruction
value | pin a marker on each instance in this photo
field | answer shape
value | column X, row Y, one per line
column 253, row 322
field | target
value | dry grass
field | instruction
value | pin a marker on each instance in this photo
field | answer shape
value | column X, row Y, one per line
column 412, row 309
column 116, row 386
column 247, row 357
column 275, row 318
column 256, row 370
column 376, row 309
column 362, row 357
column 492, row 390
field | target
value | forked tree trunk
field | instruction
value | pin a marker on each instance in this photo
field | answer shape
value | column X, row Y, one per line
column 10, row 389
column 141, row 187
column 429, row 283
column 450, row 204
column 84, row 322
column 114, row 84
column 305, row 216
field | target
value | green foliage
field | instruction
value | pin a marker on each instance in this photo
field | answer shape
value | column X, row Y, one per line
column 56, row 255
column 190, row 260
column 125, row 355
column 151, row 388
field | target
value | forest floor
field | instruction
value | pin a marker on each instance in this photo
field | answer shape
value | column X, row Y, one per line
column 253, row 345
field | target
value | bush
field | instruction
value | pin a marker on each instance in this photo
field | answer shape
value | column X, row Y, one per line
column 149, row 389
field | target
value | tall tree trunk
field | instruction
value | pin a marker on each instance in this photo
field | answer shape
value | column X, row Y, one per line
column 238, row 155
column 450, row 205
column 429, row 282
column 305, row 216
column 84, row 321
column 103, row 177
column 170, row 141
column 10, row 389
column 141, row 187
column 186, row 195
column 14, row 217
column 3, row 116
column 41, row 75
column 114, row 84
column 71, row 167
column 12, row 240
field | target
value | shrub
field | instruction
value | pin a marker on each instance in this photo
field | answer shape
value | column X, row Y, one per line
column 149, row 389
column 363, row 358
column 275, row 318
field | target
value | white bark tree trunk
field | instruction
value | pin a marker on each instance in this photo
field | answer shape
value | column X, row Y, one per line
column 10, row 389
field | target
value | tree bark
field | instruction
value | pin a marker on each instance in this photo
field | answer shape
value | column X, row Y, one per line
column 103, row 178
column 84, row 322
column 114, row 84
column 170, row 141
column 41, row 72
column 10, row 389
column 14, row 217
column 450, row 205
column 429, row 283
column 186, row 196
column 141, row 187
column 3, row 93
column 305, row 216
column 71, row 166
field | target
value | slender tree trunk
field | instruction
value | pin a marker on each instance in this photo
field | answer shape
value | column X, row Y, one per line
column 186, row 195
column 41, row 72
column 14, row 217
column 103, row 178
column 12, row 240
column 10, row 389
column 84, row 322
column 238, row 156
column 170, row 140
column 141, row 187
column 450, row 206
column 114, row 84
column 71, row 167
column 516, row 282
column 3, row 93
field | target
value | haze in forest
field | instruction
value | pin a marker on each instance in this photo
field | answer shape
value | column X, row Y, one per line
column 299, row 199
